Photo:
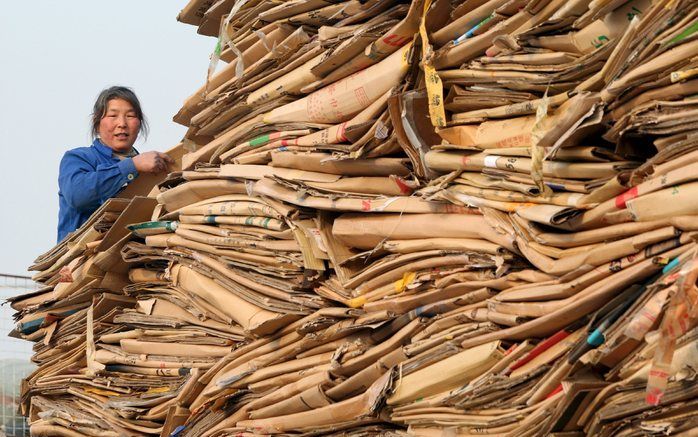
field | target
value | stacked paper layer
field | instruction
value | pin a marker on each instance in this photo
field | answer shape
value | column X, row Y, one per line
column 435, row 218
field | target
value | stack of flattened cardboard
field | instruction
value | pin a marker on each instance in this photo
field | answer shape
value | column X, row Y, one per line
column 84, row 278
column 347, row 252
column 573, row 133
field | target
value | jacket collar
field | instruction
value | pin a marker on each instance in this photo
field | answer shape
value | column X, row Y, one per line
column 104, row 149
column 101, row 148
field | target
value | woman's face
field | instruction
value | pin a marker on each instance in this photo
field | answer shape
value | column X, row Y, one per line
column 118, row 128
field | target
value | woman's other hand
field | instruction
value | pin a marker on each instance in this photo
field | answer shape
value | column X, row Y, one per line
column 152, row 162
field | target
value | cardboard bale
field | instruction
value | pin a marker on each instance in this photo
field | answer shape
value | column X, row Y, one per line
column 434, row 218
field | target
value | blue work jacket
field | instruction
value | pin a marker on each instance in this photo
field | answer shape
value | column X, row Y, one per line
column 88, row 176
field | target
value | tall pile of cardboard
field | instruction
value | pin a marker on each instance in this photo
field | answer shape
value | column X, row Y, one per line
column 426, row 218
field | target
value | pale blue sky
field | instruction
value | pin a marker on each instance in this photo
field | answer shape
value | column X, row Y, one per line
column 55, row 57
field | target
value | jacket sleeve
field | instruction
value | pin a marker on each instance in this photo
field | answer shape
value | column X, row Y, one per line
column 85, row 187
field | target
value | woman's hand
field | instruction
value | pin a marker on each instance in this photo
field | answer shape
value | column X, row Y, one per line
column 152, row 162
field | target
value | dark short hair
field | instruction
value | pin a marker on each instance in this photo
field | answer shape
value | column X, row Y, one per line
column 111, row 93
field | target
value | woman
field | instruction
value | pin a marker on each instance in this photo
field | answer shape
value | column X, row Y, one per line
column 88, row 176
